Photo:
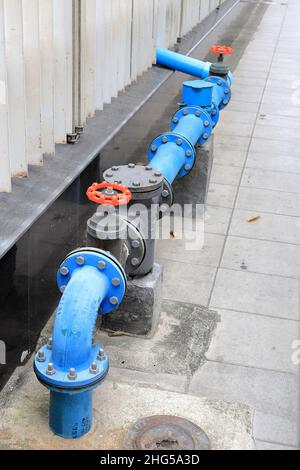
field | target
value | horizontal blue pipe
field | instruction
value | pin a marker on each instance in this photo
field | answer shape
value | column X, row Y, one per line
column 182, row 63
column 191, row 127
column 76, row 317
column 71, row 415
column 186, row 64
column 169, row 160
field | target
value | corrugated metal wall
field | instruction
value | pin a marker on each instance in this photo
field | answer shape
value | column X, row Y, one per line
column 61, row 60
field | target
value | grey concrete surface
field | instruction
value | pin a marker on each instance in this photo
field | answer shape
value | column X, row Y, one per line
column 256, row 288
column 23, row 423
column 139, row 312
column 240, row 350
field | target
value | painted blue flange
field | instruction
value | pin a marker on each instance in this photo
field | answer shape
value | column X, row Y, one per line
column 60, row 381
column 185, row 145
column 200, row 113
column 214, row 114
column 102, row 261
column 220, row 82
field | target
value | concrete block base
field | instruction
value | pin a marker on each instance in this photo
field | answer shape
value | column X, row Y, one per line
column 140, row 310
column 193, row 188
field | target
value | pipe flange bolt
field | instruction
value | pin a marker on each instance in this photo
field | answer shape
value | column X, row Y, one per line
column 98, row 259
column 214, row 114
column 218, row 81
column 61, row 380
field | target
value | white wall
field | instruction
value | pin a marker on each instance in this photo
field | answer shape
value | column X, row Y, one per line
column 62, row 60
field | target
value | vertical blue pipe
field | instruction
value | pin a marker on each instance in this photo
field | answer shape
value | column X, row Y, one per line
column 71, row 413
column 76, row 317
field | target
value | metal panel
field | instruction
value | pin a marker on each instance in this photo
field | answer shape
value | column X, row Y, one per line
column 90, row 58
column 34, row 149
column 63, row 69
column 47, row 75
column 15, row 86
column 5, row 183
column 61, row 60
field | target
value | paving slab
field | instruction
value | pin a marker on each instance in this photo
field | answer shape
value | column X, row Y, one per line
column 222, row 195
column 254, row 341
column 236, row 128
column 277, row 181
column 217, row 219
column 230, row 157
column 238, row 143
column 270, row 392
column 183, row 281
column 280, row 259
column 264, row 445
column 278, row 429
column 269, row 161
column 208, row 253
column 256, row 293
column 276, row 202
column 224, row 174
column 24, row 422
column 280, row 228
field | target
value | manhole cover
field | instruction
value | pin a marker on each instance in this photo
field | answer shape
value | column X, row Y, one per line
column 166, row 433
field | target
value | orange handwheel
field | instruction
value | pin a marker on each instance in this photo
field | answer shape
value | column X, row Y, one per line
column 222, row 50
column 97, row 194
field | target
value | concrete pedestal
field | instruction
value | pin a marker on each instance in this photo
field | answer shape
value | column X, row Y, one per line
column 140, row 310
column 193, row 188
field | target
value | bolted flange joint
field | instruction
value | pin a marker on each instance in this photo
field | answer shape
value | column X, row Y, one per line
column 103, row 262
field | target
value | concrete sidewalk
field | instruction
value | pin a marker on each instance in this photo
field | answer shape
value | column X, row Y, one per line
column 240, row 350
column 249, row 271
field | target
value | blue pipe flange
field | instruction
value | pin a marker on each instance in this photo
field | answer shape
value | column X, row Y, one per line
column 199, row 113
column 182, row 142
column 215, row 115
column 225, row 97
column 61, row 380
column 105, row 263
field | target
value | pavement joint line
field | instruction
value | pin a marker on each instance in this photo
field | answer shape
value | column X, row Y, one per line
column 263, row 239
column 274, row 171
column 268, row 189
column 264, row 369
column 282, row 444
column 258, row 272
column 217, row 309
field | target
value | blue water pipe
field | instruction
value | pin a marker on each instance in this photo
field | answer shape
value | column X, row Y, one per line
column 173, row 153
column 186, row 64
column 71, row 366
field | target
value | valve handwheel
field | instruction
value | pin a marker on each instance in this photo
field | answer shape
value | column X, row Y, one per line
column 120, row 194
column 221, row 50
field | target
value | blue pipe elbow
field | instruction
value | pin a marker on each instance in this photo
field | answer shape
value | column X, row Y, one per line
column 182, row 63
column 92, row 282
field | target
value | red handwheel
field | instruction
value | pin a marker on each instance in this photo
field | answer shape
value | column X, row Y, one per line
column 221, row 50
column 120, row 194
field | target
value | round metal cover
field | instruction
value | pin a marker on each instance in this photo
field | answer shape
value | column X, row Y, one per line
column 166, row 433
column 135, row 177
